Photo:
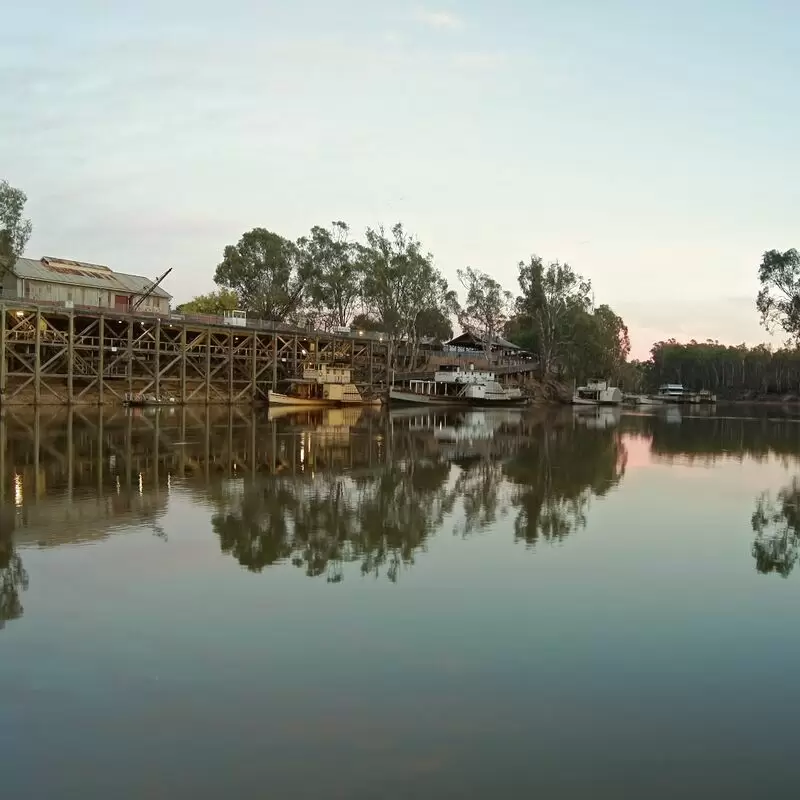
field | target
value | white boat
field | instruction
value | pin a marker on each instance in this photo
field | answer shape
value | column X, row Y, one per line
column 322, row 387
column 597, row 393
column 676, row 393
column 454, row 386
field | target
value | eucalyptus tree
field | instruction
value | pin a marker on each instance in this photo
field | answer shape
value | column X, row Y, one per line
column 486, row 309
column 332, row 271
column 263, row 269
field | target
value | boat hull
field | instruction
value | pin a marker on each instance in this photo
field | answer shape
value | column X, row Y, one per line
column 404, row 397
column 288, row 400
column 278, row 399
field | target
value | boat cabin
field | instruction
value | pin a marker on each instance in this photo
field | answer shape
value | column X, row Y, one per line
column 324, row 374
column 451, row 373
column 671, row 390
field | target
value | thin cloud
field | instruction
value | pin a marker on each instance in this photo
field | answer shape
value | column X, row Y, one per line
column 438, row 19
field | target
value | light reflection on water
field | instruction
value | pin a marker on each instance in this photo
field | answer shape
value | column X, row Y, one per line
column 489, row 590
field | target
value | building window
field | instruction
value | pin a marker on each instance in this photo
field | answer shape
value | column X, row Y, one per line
column 28, row 290
column 69, row 295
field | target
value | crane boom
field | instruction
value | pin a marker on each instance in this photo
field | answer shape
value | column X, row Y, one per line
column 135, row 306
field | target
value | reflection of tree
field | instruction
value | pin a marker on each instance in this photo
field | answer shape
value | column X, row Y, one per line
column 776, row 523
column 13, row 580
column 557, row 470
column 479, row 484
column 380, row 520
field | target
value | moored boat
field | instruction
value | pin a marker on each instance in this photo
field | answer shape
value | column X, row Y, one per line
column 597, row 393
column 454, row 386
column 322, row 387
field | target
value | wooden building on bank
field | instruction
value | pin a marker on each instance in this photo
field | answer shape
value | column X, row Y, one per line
column 68, row 283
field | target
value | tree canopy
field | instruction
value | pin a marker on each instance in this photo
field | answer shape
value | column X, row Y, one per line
column 778, row 300
column 332, row 272
column 15, row 230
column 486, row 308
column 216, row 303
column 262, row 268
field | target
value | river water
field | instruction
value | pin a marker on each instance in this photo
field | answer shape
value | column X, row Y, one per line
column 355, row 605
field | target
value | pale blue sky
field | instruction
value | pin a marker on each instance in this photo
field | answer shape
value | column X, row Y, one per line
column 653, row 145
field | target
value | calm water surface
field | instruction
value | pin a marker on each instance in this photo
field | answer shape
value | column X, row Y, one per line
column 355, row 605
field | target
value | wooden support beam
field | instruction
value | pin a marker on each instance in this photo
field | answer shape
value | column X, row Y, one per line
column 70, row 358
column 101, row 364
column 254, row 368
column 208, row 366
column 37, row 360
column 230, row 367
column 130, row 356
column 158, row 359
column 371, row 364
column 274, row 362
column 2, row 457
column 183, row 366
column 3, row 366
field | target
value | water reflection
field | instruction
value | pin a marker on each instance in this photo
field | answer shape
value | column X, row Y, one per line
column 325, row 489
column 776, row 523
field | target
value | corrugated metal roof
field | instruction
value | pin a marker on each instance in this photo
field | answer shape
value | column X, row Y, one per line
column 78, row 273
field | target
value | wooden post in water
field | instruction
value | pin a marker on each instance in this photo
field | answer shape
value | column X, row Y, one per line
column 100, row 453
column 70, row 453
column 3, row 477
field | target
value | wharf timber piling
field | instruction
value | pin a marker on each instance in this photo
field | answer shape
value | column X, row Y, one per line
column 51, row 355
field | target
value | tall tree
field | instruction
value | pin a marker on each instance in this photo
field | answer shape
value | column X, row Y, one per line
column 331, row 270
column 15, row 230
column 486, row 309
column 553, row 295
column 262, row 268
column 212, row 303
column 400, row 283
column 433, row 323
column 778, row 300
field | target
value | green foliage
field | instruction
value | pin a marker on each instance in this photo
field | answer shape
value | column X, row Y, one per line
column 778, row 300
column 433, row 323
column 15, row 231
column 364, row 322
column 738, row 371
column 262, row 268
column 550, row 307
column 332, row 272
column 487, row 307
column 212, row 303
column 400, row 283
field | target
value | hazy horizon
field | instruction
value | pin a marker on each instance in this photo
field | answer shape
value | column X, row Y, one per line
column 637, row 142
